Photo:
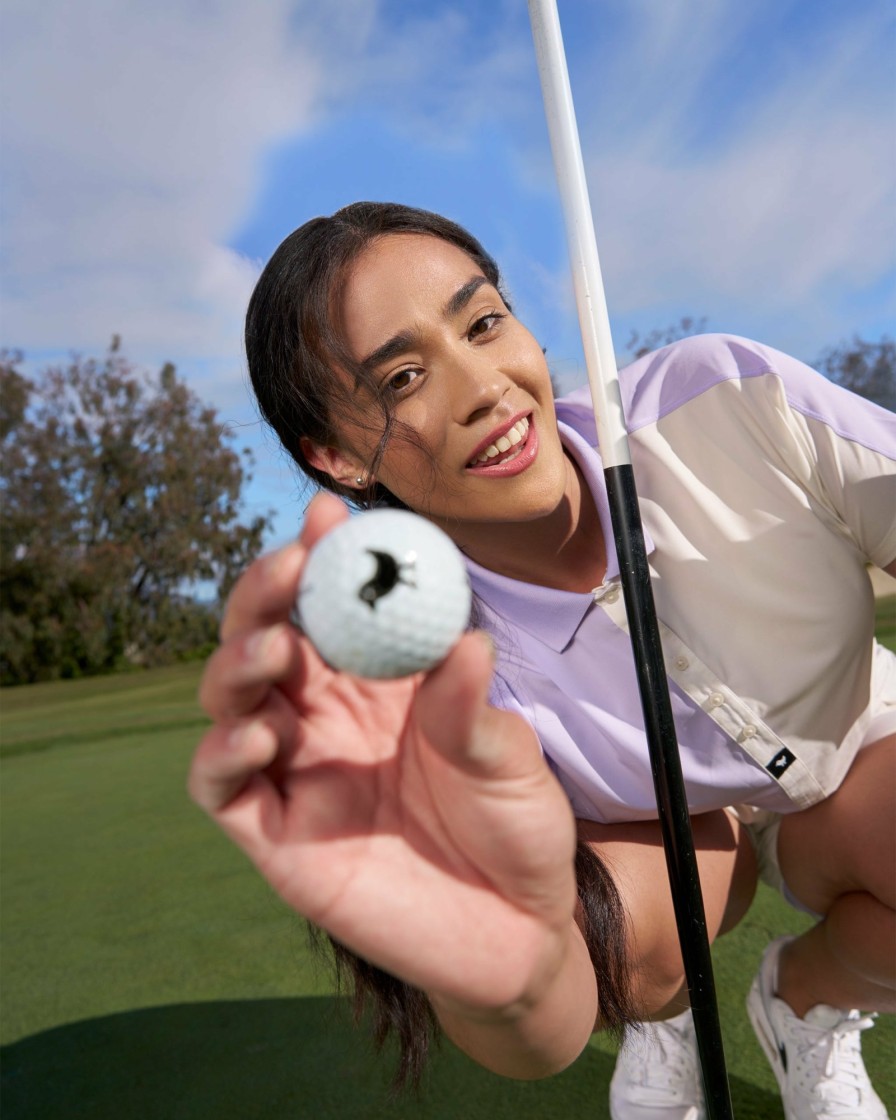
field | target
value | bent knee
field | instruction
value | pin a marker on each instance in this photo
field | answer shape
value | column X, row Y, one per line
column 847, row 842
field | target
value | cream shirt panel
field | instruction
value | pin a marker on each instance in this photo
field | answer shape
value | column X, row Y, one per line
column 789, row 639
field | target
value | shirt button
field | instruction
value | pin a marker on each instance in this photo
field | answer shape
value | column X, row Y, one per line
column 747, row 731
column 612, row 595
column 681, row 662
column 716, row 700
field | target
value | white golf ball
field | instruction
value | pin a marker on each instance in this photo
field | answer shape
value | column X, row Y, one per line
column 384, row 595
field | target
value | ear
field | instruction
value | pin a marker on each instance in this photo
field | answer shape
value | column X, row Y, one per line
column 339, row 465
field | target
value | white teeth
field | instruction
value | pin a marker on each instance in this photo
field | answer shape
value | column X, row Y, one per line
column 504, row 443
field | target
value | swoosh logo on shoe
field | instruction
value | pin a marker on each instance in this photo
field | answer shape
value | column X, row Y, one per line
column 782, row 1051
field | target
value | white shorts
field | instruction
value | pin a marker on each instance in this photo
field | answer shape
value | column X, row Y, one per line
column 763, row 825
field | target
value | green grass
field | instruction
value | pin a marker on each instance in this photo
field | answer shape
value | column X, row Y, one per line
column 69, row 713
column 148, row 972
column 885, row 621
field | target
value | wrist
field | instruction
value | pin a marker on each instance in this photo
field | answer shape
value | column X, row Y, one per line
column 507, row 1003
column 536, row 1031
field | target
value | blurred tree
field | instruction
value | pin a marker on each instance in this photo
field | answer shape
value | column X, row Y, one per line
column 866, row 368
column 640, row 344
column 119, row 490
column 637, row 346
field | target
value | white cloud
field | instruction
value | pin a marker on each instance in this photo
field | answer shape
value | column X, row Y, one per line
column 135, row 135
column 778, row 217
column 132, row 137
column 783, row 200
column 448, row 76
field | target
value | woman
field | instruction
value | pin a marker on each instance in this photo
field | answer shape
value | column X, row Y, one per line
column 430, row 825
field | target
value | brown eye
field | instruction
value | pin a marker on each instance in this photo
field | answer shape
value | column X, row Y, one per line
column 402, row 379
column 484, row 325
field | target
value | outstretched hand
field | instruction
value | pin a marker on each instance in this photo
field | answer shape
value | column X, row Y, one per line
column 416, row 824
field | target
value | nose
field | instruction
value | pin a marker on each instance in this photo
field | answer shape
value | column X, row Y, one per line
column 476, row 386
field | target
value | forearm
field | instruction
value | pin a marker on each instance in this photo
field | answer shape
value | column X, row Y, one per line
column 539, row 1034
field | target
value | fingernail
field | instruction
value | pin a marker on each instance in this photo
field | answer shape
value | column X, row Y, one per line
column 247, row 734
column 484, row 747
column 266, row 644
column 239, row 736
column 489, row 643
column 281, row 561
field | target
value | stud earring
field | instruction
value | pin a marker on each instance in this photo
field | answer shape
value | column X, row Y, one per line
column 359, row 481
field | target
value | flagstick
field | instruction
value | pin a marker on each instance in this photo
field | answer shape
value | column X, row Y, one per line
column 594, row 322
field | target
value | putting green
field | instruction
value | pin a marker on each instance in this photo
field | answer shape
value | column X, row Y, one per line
column 147, row 971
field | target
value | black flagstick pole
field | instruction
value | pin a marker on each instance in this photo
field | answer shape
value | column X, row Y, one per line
column 629, row 539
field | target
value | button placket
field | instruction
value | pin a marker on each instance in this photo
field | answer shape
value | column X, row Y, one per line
column 730, row 713
column 607, row 594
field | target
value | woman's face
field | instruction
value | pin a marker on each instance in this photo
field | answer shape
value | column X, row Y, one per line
column 466, row 378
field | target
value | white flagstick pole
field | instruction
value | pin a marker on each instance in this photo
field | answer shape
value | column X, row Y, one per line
column 629, row 539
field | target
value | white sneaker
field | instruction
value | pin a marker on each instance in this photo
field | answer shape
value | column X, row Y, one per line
column 657, row 1075
column 817, row 1060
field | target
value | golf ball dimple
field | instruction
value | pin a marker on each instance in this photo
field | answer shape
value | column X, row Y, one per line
column 384, row 594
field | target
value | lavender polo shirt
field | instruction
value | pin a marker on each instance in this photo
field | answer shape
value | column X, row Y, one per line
column 764, row 492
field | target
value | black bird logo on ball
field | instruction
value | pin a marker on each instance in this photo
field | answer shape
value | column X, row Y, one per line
column 389, row 573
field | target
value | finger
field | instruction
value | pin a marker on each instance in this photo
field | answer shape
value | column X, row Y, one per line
column 454, row 714
column 241, row 673
column 225, row 760
column 229, row 755
column 266, row 592
column 324, row 513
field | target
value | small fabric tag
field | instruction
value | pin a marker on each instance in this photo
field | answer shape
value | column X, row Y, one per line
column 780, row 762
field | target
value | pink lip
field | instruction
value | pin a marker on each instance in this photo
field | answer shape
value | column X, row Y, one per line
column 524, row 458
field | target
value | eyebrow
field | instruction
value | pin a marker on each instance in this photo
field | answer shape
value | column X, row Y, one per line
column 407, row 340
column 462, row 296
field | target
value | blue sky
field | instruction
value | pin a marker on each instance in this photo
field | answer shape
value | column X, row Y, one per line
column 741, row 160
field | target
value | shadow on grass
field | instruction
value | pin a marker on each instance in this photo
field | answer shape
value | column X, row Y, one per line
column 298, row 1058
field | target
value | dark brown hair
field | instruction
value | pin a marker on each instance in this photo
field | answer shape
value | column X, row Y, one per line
column 294, row 349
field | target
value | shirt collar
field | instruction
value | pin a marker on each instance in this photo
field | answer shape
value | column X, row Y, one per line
column 547, row 614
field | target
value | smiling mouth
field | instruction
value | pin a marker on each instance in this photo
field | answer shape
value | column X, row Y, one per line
column 504, row 448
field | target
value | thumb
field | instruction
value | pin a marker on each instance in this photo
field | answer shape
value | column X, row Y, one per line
column 453, row 713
